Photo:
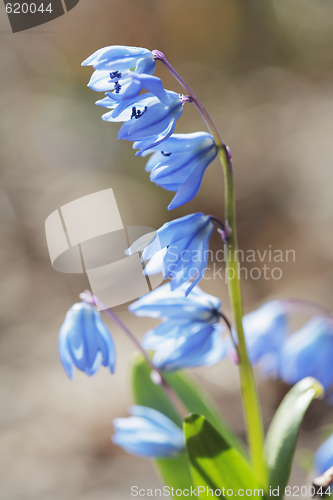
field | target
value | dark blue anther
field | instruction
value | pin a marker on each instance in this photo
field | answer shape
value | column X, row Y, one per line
column 115, row 74
column 137, row 113
column 117, row 87
column 166, row 154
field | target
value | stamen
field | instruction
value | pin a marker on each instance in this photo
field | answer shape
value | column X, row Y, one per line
column 166, row 154
column 117, row 87
column 137, row 113
column 115, row 74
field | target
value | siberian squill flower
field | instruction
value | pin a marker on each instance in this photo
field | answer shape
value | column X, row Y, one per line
column 148, row 433
column 84, row 341
column 265, row 330
column 113, row 66
column 191, row 345
column 323, row 459
column 148, row 120
column 179, row 249
column 188, row 335
column 171, row 305
column 179, row 164
column 308, row 352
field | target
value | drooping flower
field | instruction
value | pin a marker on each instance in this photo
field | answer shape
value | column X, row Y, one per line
column 179, row 164
column 308, row 352
column 265, row 330
column 188, row 335
column 166, row 304
column 148, row 433
column 84, row 341
column 182, row 245
column 185, row 346
column 323, row 459
column 147, row 119
column 113, row 66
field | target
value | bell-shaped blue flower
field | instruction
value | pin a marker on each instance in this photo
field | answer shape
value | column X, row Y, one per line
column 308, row 352
column 188, row 335
column 323, row 459
column 148, row 433
column 265, row 330
column 147, row 119
column 180, row 346
column 174, row 306
column 182, row 245
column 112, row 65
column 84, row 341
column 179, row 164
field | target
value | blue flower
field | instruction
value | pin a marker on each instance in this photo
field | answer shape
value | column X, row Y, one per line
column 147, row 119
column 113, row 64
column 323, row 459
column 188, row 335
column 265, row 330
column 182, row 247
column 85, row 341
column 179, row 164
column 148, row 433
column 173, row 305
column 308, row 352
column 185, row 346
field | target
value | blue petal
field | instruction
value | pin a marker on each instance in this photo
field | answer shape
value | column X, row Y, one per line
column 152, row 84
column 154, row 121
column 172, row 231
column 165, row 303
column 323, row 459
column 148, row 433
column 308, row 352
column 100, row 81
column 182, row 143
column 118, row 57
column 203, row 346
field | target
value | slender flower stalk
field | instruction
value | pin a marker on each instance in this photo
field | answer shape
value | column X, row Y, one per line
column 248, row 386
column 157, row 376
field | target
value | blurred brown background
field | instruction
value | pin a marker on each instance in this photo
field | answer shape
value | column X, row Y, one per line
column 265, row 72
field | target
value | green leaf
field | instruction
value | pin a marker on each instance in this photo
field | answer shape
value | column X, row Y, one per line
column 283, row 432
column 215, row 464
column 175, row 472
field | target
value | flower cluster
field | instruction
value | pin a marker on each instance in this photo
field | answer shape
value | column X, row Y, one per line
column 178, row 161
column 189, row 334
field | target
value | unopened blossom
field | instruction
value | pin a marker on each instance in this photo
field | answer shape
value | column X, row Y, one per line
column 84, row 341
column 148, row 433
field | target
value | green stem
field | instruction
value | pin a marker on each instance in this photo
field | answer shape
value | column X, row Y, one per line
column 248, row 386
